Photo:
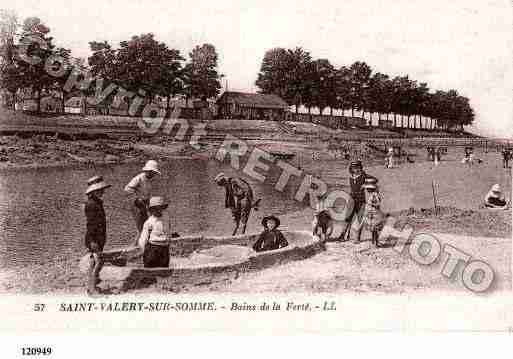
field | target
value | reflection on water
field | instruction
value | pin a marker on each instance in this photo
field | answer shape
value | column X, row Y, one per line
column 41, row 213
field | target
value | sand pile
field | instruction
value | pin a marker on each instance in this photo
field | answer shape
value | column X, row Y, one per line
column 480, row 222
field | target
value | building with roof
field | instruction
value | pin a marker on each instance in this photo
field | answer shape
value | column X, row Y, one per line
column 251, row 106
column 74, row 105
column 48, row 104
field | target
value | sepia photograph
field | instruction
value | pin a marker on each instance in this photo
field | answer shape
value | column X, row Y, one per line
column 255, row 148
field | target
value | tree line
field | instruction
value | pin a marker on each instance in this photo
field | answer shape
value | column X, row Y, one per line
column 145, row 67
column 301, row 80
column 141, row 66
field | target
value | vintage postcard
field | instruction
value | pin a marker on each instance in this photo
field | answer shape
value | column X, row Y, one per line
column 196, row 166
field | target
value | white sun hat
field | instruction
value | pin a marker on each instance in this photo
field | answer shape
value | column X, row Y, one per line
column 496, row 188
column 495, row 191
column 151, row 165
column 157, row 202
column 96, row 183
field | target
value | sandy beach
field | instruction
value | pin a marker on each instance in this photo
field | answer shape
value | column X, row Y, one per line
column 345, row 266
column 407, row 191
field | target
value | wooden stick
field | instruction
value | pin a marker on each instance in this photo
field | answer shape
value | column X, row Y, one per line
column 434, row 196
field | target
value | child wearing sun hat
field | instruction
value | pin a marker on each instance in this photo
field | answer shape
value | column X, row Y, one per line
column 155, row 235
column 96, row 229
column 494, row 198
column 271, row 238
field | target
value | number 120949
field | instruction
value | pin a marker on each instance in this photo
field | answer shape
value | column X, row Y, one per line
column 36, row 351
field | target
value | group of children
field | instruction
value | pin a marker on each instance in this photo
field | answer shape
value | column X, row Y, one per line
column 366, row 210
column 153, row 232
column 155, row 236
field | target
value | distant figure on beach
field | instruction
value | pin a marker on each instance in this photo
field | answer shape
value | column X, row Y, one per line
column 322, row 225
column 428, row 150
column 356, row 181
column 506, row 156
column 390, row 158
column 373, row 217
column 495, row 199
column 469, row 156
column 239, row 198
column 155, row 236
column 271, row 238
column 141, row 187
column 96, row 230
column 438, row 155
column 345, row 153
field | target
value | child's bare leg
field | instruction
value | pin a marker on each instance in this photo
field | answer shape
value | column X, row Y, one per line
column 329, row 231
column 314, row 226
column 236, row 228
column 91, row 276
column 97, row 267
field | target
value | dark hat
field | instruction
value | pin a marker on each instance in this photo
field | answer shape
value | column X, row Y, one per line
column 371, row 180
column 355, row 164
column 267, row 218
column 370, row 183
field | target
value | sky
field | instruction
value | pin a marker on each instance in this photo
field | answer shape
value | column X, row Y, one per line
column 465, row 45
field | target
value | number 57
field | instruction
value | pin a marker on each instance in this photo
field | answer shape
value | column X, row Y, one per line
column 39, row 307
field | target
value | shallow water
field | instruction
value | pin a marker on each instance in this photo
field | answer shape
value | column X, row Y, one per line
column 41, row 211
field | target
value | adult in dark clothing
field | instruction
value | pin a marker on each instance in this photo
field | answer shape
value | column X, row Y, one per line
column 506, row 155
column 239, row 198
column 96, row 229
column 356, row 181
column 431, row 153
column 271, row 238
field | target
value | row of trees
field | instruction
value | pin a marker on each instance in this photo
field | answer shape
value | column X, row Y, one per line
column 149, row 68
column 315, row 83
column 17, row 74
column 141, row 65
